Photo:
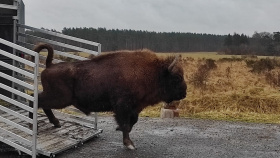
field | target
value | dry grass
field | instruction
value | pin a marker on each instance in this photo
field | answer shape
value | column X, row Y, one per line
column 231, row 92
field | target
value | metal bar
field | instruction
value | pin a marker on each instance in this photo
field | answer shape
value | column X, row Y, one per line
column 18, row 104
column 24, row 84
column 25, row 50
column 14, row 57
column 35, row 107
column 98, row 131
column 56, row 52
column 25, row 44
column 21, row 148
column 54, row 60
column 24, row 129
column 99, row 48
column 16, row 114
column 5, row 6
column 26, row 96
column 16, row 69
column 59, row 44
column 14, row 51
column 25, row 79
column 42, row 66
column 70, row 55
column 22, row 88
column 59, row 35
column 21, row 139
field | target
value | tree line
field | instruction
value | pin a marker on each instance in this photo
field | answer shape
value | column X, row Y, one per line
column 115, row 39
column 262, row 43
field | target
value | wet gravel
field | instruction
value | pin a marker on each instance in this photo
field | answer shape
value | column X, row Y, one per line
column 178, row 138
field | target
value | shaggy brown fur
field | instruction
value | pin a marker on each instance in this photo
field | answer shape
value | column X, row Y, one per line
column 122, row 82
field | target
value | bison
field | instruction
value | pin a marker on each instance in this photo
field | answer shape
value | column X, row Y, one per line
column 124, row 82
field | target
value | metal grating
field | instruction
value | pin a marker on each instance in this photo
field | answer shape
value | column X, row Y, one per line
column 50, row 140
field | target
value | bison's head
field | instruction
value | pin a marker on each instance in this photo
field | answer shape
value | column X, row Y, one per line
column 175, row 87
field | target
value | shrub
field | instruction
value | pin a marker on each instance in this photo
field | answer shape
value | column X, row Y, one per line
column 262, row 65
column 228, row 72
column 249, row 57
column 210, row 64
column 232, row 59
column 273, row 78
column 199, row 78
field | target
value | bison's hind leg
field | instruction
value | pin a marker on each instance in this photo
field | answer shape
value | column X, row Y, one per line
column 48, row 101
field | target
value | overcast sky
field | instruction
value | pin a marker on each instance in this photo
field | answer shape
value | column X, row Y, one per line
column 195, row 16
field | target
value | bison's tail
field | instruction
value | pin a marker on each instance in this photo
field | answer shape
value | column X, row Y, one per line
column 49, row 59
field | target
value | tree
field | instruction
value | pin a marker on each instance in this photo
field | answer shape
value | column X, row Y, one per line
column 228, row 40
column 236, row 44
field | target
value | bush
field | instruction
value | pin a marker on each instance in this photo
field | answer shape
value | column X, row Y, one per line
column 232, row 59
column 210, row 64
column 199, row 78
column 262, row 65
column 273, row 78
column 249, row 57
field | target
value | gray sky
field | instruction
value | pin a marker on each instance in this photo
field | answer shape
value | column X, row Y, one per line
column 195, row 16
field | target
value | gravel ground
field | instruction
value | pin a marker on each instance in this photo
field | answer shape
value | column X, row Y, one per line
column 178, row 138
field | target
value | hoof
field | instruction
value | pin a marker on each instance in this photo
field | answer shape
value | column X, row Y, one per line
column 118, row 128
column 56, row 123
column 129, row 144
column 57, row 126
column 130, row 147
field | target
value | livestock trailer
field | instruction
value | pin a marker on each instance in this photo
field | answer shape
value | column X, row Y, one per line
column 20, row 77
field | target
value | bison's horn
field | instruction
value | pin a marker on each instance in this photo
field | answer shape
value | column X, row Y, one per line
column 170, row 67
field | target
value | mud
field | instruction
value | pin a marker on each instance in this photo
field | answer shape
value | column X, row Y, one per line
column 167, row 138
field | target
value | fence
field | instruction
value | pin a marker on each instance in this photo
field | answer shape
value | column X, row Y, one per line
column 25, row 78
column 66, row 47
column 20, row 124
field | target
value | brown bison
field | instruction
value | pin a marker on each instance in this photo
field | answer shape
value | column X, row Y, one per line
column 122, row 82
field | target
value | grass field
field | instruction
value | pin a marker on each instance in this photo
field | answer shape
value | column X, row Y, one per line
column 208, row 55
column 230, row 91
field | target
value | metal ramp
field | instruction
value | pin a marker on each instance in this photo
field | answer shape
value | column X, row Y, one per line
column 75, row 131
column 23, row 78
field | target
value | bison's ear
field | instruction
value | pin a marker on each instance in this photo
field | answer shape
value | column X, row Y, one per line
column 172, row 65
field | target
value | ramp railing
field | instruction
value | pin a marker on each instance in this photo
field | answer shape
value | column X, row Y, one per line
column 23, row 139
column 66, row 48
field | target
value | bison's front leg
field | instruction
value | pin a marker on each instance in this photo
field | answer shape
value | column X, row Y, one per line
column 52, row 118
column 133, row 120
column 126, row 119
